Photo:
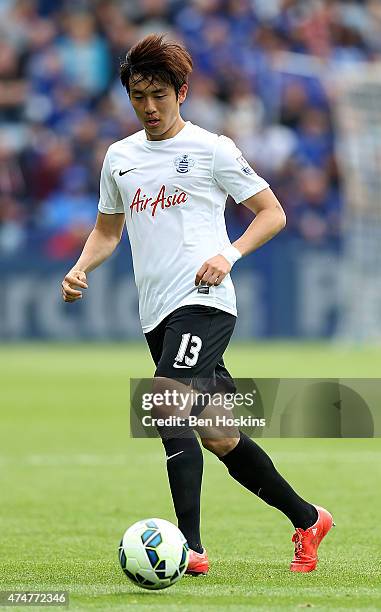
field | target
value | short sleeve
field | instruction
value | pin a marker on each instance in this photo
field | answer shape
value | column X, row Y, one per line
column 110, row 201
column 233, row 173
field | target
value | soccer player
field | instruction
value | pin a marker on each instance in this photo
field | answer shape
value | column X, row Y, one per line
column 169, row 183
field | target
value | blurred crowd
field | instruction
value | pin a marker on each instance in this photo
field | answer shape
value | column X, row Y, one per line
column 61, row 102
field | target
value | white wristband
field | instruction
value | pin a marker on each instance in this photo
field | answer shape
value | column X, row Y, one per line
column 231, row 254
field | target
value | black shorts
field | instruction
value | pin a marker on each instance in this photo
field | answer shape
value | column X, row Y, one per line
column 188, row 345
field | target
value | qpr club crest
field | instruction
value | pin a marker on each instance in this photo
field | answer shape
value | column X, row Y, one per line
column 184, row 163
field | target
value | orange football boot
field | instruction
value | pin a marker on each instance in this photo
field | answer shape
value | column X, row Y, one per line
column 198, row 564
column 307, row 542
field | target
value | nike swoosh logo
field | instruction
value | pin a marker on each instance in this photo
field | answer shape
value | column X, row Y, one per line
column 175, row 455
column 176, row 365
column 125, row 171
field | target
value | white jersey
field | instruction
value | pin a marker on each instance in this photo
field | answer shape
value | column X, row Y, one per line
column 173, row 193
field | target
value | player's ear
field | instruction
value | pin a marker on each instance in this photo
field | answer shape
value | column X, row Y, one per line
column 182, row 93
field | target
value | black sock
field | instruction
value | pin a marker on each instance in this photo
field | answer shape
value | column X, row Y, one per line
column 253, row 469
column 184, row 467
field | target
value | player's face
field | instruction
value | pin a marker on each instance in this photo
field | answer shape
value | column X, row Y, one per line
column 157, row 107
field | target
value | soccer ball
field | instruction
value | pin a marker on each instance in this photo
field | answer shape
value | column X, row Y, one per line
column 154, row 553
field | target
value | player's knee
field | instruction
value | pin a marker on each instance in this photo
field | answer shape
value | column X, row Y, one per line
column 220, row 446
column 160, row 397
column 160, row 384
column 166, row 398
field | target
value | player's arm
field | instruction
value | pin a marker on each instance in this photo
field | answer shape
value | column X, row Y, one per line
column 234, row 175
column 269, row 219
column 100, row 244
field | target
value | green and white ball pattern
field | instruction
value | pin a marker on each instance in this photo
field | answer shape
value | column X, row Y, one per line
column 153, row 553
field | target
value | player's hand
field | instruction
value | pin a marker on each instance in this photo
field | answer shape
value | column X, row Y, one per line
column 213, row 271
column 74, row 278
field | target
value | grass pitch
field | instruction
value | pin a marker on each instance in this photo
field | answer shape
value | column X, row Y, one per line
column 72, row 481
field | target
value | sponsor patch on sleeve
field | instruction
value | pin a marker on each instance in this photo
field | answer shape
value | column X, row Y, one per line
column 245, row 166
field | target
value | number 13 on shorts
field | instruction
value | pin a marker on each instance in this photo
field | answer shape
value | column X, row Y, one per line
column 194, row 343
